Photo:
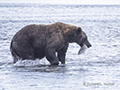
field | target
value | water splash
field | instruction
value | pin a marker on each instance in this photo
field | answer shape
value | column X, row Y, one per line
column 30, row 62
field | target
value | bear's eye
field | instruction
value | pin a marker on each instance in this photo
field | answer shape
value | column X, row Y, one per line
column 85, row 38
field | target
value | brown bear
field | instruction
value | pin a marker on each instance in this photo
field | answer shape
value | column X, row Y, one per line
column 50, row 41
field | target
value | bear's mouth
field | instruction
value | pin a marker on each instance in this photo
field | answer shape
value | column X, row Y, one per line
column 82, row 49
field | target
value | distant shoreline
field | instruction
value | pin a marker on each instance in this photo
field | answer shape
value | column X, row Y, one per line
column 60, row 4
column 63, row 2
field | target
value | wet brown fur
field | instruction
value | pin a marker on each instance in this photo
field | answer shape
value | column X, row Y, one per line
column 38, row 41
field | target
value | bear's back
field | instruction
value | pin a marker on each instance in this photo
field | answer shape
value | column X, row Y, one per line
column 43, row 30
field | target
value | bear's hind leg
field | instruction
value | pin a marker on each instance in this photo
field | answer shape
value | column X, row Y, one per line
column 15, row 57
column 26, row 53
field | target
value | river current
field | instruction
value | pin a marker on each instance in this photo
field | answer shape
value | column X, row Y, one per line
column 97, row 69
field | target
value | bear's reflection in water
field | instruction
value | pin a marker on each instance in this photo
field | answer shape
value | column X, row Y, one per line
column 35, row 66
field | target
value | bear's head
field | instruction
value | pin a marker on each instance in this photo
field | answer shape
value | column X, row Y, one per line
column 81, row 38
column 78, row 36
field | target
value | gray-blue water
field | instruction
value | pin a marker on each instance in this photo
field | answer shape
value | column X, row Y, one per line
column 97, row 69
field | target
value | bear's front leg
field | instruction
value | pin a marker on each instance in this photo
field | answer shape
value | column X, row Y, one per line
column 61, row 56
column 51, row 56
column 62, row 53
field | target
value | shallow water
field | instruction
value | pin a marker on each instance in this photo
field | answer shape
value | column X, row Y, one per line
column 98, row 68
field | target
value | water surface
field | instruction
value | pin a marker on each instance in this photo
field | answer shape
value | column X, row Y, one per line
column 98, row 68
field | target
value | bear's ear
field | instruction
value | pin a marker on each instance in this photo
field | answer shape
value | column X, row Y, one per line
column 79, row 30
